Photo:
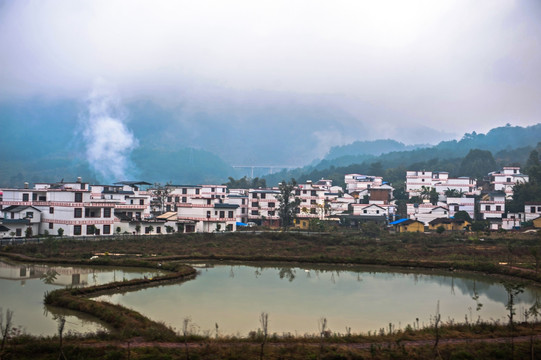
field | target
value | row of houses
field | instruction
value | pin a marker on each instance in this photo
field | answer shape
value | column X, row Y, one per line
column 137, row 207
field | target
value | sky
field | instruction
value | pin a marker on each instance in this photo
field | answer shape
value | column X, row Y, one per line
column 417, row 71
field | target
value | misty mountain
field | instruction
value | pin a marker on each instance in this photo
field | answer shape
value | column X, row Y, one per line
column 46, row 144
column 509, row 145
column 375, row 147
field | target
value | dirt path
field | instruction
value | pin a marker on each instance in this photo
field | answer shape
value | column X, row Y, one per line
column 139, row 343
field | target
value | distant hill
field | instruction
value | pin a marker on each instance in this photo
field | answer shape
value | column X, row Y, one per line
column 43, row 142
column 509, row 144
column 375, row 147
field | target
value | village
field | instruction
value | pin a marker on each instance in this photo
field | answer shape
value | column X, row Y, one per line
column 141, row 208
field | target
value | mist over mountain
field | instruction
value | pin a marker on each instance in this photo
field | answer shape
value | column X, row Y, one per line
column 509, row 144
column 104, row 139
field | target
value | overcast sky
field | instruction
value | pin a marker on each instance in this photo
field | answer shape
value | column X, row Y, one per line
column 454, row 66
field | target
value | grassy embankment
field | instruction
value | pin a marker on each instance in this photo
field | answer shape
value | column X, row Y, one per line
column 457, row 251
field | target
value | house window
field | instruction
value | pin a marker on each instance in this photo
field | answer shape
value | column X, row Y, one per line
column 184, row 191
column 142, row 202
column 78, row 197
column 297, row 192
column 25, row 197
column 78, row 213
column 271, row 204
column 106, row 229
column 487, row 208
column 364, row 211
column 222, row 214
column 208, row 201
column 106, row 212
column 34, row 197
column 313, row 193
column 51, row 225
column 147, row 229
column 51, row 210
column 377, row 211
column 177, row 199
column 539, row 209
column 243, row 201
column 169, row 199
column 168, row 208
column 312, row 211
column 90, row 229
column 271, row 213
column 208, row 214
column 184, row 199
column 498, row 208
column 158, row 229
column 255, row 212
column 196, row 191
column 263, row 195
column 29, row 214
column 508, row 179
column 255, row 204
column 304, row 192
column 230, row 214
column 243, row 211
column 313, row 202
column 77, row 230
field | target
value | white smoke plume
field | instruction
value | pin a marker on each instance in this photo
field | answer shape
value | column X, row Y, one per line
column 108, row 141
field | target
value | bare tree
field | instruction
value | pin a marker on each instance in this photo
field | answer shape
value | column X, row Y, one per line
column 264, row 320
column 437, row 319
column 61, row 324
column 5, row 329
column 160, row 193
column 186, row 332
column 322, row 326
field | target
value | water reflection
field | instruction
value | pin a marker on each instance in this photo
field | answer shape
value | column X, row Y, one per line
column 358, row 298
column 24, row 285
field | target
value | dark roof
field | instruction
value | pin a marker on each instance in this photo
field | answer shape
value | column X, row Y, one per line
column 185, row 186
column 225, row 206
column 3, row 228
column 265, row 191
column 16, row 221
column 133, row 183
column 19, row 208
column 446, row 221
column 411, row 221
column 118, row 192
column 237, row 196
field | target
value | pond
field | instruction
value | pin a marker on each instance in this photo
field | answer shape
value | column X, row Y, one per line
column 231, row 298
column 22, row 287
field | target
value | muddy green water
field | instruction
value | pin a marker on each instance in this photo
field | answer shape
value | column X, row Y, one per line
column 296, row 298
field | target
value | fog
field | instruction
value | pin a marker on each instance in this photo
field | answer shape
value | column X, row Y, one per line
column 415, row 71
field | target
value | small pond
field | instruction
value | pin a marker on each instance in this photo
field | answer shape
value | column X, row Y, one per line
column 363, row 299
column 22, row 287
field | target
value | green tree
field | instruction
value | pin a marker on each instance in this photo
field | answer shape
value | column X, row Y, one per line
column 60, row 232
column 477, row 164
column 463, row 215
column 28, row 232
column 138, row 228
column 288, row 203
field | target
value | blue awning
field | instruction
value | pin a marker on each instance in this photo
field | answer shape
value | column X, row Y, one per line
column 241, row 224
column 398, row 221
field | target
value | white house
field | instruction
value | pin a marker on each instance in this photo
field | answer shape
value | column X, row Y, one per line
column 493, row 205
column 64, row 205
column 358, row 182
column 456, row 204
column 21, row 220
column 426, row 212
column 505, row 179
